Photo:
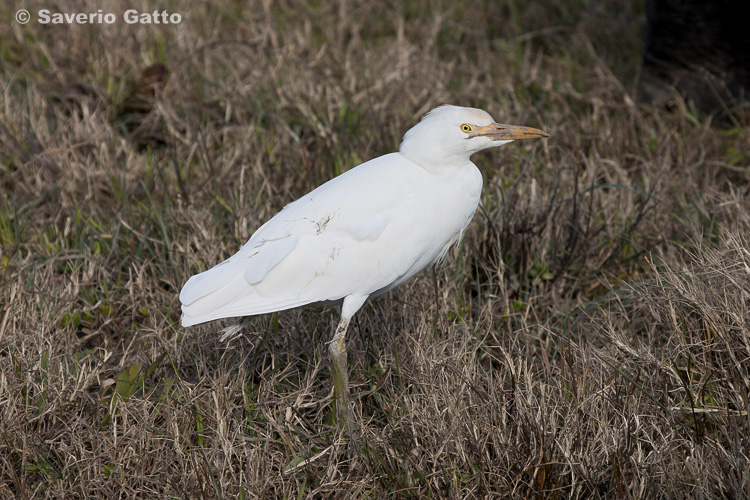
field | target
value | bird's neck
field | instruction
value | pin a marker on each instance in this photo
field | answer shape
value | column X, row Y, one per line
column 435, row 159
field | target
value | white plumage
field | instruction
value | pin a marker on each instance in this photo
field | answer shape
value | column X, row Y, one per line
column 361, row 233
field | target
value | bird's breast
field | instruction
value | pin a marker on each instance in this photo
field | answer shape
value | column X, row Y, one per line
column 439, row 208
column 455, row 196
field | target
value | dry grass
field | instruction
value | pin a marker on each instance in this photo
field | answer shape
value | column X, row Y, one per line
column 589, row 339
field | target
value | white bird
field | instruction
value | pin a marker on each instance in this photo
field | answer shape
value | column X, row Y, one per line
column 360, row 234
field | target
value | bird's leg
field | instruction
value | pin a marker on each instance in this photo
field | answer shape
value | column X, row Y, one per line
column 337, row 348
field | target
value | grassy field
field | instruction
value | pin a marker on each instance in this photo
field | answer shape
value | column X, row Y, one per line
column 590, row 338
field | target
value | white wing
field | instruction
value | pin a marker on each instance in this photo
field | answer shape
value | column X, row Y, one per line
column 362, row 232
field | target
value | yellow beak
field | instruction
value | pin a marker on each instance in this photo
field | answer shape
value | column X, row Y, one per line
column 499, row 132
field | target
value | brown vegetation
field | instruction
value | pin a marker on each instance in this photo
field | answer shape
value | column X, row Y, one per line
column 589, row 339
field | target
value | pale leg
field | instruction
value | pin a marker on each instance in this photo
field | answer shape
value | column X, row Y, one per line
column 339, row 370
column 337, row 348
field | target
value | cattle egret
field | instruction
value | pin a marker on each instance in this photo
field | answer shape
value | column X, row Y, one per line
column 360, row 234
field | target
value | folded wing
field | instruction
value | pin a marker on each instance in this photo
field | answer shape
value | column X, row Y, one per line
column 320, row 248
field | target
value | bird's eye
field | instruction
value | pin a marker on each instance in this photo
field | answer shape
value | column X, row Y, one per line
column 466, row 128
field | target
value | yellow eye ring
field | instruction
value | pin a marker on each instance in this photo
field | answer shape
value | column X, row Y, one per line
column 466, row 128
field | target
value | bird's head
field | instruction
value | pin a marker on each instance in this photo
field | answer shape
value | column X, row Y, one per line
column 449, row 135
